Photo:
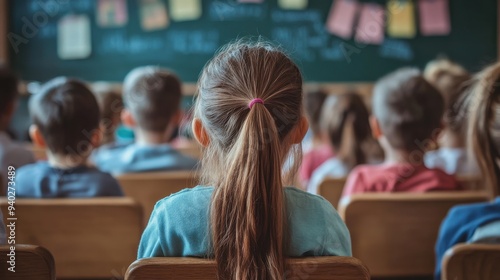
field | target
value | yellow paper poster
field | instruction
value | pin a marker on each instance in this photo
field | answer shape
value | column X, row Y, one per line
column 401, row 19
column 182, row 10
column 153, row 14
column 292, row 4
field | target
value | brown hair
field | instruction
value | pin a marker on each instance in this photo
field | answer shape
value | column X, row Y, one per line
column 110, row 103
column 345, row 118
column 407, row 107
column 246, row 153
column 66, row 112
column 153, row 96
column 452, row 80
column 484, row 124
column 313, row 102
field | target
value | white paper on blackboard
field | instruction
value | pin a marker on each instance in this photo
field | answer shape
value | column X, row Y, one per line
column 73, row 37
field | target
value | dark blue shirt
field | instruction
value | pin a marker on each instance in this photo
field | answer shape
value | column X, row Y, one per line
column 461, row 223
column 126, row 158
column 40, row 180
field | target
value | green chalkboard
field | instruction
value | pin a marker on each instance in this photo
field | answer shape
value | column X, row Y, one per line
column 186, row 46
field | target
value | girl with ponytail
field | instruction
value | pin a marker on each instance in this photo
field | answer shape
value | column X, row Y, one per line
column 249, row 120
column 345, row 119
column 478, row 222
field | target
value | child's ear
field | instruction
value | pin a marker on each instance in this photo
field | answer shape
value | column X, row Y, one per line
column 177, row 118
column 376, row 131
column 37, row 137
column 299, row 131
column 199, row 132
column 127, row 118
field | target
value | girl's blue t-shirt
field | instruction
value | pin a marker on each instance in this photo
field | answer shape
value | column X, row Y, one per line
column 179, row 226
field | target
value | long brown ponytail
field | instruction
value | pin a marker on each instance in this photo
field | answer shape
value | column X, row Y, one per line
column 246, row 153
column 484, row 124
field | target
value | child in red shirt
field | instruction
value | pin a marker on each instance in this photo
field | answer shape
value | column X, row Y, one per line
column 407, row 113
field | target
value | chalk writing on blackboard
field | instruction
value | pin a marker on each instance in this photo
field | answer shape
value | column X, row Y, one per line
column 117, row 42
column 52, row 7
column 397, row 49
column 193, row 41
column 333, row 52
column 231, row 11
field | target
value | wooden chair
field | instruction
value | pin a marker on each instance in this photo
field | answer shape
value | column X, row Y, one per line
column 314, row 268
column 148, row 188
column 31, row 262
column 471, row 183
column 331, row 189
column 471, row 262
column 89, row 238
column 394, row 234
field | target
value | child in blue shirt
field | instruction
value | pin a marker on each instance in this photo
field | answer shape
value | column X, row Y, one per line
column 152, row 99
column 477, row 222
column 65, row 118
column 11, row 153
column 249, row 120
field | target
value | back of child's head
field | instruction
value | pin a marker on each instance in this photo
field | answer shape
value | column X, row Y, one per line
column 8, row 89
column 408, row 109
column 452, row 81
column 313, row 102
column 345, row 119
column 250, row 101
column 66, row 113
column 153, row 95
column 484, row 124
column 110, row 103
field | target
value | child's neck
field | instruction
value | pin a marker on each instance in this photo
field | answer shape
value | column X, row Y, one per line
column 66, row 161
column 449, row 139
column 147, row 138
column 395, row 156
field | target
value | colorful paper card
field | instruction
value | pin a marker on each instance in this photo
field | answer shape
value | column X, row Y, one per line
column 112, row 13
column 401, row 19
column 153, row 14
column 370, row 28
column 293, row 4
column 434, row 17
column 183, row 10
column 396, row 49
column 73, row 37
column 341, row 18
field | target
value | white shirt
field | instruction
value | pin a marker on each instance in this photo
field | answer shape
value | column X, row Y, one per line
column 453, row 161
column 332, row 168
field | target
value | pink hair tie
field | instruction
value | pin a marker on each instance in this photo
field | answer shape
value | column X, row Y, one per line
column 254, row 101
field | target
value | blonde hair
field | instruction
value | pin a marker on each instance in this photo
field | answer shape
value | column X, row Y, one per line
column 245, row 157
column 484, row 124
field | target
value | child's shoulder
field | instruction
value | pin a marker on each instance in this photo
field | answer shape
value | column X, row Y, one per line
column 36, row 167
column 187, row 196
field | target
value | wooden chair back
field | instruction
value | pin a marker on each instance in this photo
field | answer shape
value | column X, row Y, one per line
column 331, row 189
column 89, row 238
column 29, row 262
column 394, row 234
column 471, row 183
column 472, row 262
column 314, row 268
column 147, row 188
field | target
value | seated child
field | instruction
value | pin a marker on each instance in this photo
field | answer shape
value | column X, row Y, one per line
column 345, row 119
column 316, row 150
column 152, row 99
column 110, row 103
column 478, row 222
column 407, row 112
column 452, row 156
column 65, row 118
column 247, row 117
column 11, row 153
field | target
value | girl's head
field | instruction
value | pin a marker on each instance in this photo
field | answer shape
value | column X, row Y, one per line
column 484, row 124
column 345, row 119
column 452, row 81
column 313, row 102
column 246, row 142
column 110, row 103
